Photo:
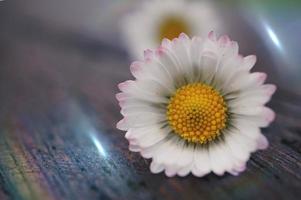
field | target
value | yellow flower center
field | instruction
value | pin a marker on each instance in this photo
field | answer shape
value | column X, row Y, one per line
column 197, row 113
column 171, row 28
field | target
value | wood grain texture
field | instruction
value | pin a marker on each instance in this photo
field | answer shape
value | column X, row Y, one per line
column 58, row 138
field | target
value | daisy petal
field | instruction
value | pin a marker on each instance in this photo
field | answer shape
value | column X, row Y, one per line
column 201, row 162
column 156, row 167
column 262, row 142
column 249, row 62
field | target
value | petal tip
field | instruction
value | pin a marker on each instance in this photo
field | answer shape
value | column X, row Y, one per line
column 119, row 96
column 272, row 89
column 170, row 173
column 183, row 36
column 262, row 77
column 123, row 85
column 155, row 168
column 272, row 116
column 121, row 103
column 148, row 54
column 175, row 40
column 242, row 168
column 253, row 58
column 212, row 36
column 165, row 43
column 223, row 40
column 121, row 125
column 262, row 143
column 135, row 66
column 160, row 51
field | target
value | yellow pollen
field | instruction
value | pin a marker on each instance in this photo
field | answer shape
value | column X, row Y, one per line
column 197, row 113
column 171, row 28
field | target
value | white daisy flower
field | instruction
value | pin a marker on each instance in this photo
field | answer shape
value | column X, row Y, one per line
column 154, row 20
column 195, row 107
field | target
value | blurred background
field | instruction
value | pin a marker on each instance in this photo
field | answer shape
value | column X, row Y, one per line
column 60, row 63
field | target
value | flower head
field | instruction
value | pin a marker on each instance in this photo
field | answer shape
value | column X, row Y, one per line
column 195, row 107
column 154, row 20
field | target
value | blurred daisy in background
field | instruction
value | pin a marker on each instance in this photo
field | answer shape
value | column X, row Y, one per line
column 195, row 107
column 154, row 20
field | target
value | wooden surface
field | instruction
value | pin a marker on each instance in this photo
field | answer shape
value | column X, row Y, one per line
column 58, row 138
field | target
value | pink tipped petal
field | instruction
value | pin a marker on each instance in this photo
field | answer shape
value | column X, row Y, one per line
column 134, row 148
column 122, row 125
column 183, row 36
column 124, row 86
column 133, row 141
column 262, row 142
column 148, row 54
column 170, row 172
column 135, row 68
column 122, row 103
column 234, row 46
column 260, row 77
column 238, row 168
column 239, row 58
column 263, row 118
column 241, row 168
column 234, row 173
column 212, row 36
column 184, row 172
column 160, row 52
column 175, row 41
column 249, row 62
column 224, row 40
column 269, row 114
column 119, row 96
column 121, row 85
column 128, row 134
column 156, row 167
column 270, row 89
column 198, row 173
column 166, row 43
